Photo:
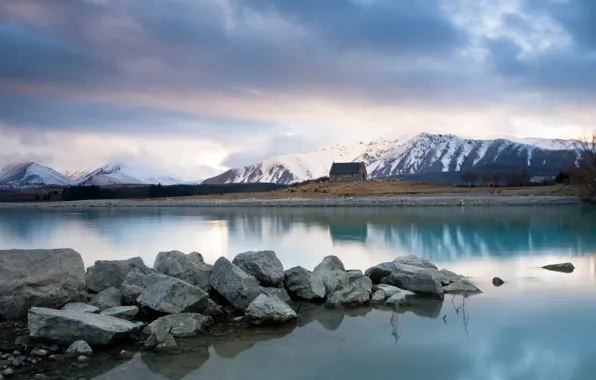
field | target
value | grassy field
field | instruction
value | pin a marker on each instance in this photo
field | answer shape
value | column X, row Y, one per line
column 391, row 187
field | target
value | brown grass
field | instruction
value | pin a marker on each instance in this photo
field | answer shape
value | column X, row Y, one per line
column 390, row 187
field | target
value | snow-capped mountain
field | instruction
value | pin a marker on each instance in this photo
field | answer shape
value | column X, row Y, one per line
column 122, row 174
column 403, row 155
column 31, row 174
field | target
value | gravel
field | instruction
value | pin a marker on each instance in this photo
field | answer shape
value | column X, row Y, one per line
column 361, row 201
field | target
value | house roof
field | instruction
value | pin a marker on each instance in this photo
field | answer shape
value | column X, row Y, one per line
column 345, row 168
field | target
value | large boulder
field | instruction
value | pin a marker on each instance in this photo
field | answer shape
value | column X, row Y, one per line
column 190, row 268
column 39, row 277
column 418, row 279
column 172, row 296
column 379, row 272
column 122, row 312
column 134, row 284
column 265, row 310
column 280, row 293
column 235, row 285
column 415, row 261
column 333, row 273
column 180, row 325
column 302, row 283
column 110, row 273
column 353, row 295
column 107, row 299
column 65, row 327
column 354, row 274
column 263, row 265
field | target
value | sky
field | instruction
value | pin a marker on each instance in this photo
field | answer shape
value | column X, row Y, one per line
column 193, row 87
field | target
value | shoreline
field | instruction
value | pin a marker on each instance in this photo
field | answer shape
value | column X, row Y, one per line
column 421, row 200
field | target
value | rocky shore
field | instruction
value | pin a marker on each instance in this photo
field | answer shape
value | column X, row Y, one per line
column 59, row 313
column 356, row 201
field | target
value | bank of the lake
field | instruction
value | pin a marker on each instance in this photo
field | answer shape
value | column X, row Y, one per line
column 421, row 200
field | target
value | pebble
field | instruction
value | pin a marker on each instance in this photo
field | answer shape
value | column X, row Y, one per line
column 18, row 363
column 57, row 358
column 5, row 356
column 8, row 372
column 54, row 348
column 40, row 376
column 125, row 355
column 39, row 352
column 239, row 319
column 82, row 359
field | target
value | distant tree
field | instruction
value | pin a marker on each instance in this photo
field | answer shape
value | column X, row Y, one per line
column 469, row 178
column 585, row 172
column 562, row 177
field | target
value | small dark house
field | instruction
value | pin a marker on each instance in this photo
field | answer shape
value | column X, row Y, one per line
column 347, row 171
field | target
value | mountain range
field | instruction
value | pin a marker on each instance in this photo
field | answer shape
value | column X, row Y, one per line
column 425, row 156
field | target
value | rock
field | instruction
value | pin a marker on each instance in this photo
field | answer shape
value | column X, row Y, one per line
column 134, row 284
column 414, row 261
column 189, row 268
column 354, row 275
column 378, row 297
column 562, row 267
column 107, row 299
column 447, row 277
column 415, row 278
column 378, row 272
column 332, row 272
column 126, row 355
column 389, row 290
column 263, row 265
column 110, row 273
column 17, row 363
column 232, row 283
column 65, row 327
column 461, row 287
column 80, row 307
column 301, row 283
column 171, row 295
column 280, row 293
column 400, row 298
column 497, row 281
column 16, row 353
column 82, row 359
column 80, row 347
column 364, row 283
column 122, row 312
column 22, row 340
column 266, row 310
column 54, row 348
column 8, row 371
column 160, row 340
column 39, row 277
column 167, row 345
column 39, row 352
column 351, row 296
column 180, row 325
column 238, row 319
column 40, row 376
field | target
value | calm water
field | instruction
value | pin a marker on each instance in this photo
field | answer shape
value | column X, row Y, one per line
column 539, row 325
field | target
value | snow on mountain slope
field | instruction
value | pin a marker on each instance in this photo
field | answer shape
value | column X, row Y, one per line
column 400, row 155
column 31, row 174
column 124, row 174
column 292, row 168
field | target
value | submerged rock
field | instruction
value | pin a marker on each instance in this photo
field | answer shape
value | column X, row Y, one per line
column 461, row 287
column 134, row 284
column 107, row 299
column 39, row 277
column 80, row 347
column 190, row 268
column 171, row 295
column 400, row 298
column 497, row 281
column 122, row 312
column 378, row 297
column 236, row 286
column 80, row 307
column 110, row 273
column 263, row 265
column 562, row 267
column 180, row 325
column 265, row 310
column 301, row 283
column 65, row 327
column 333, row 273
column 280, row 293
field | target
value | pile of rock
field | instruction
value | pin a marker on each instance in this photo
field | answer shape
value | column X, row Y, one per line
column 182, row 296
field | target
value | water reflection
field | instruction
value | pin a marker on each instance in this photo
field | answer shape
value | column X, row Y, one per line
column 361, row 237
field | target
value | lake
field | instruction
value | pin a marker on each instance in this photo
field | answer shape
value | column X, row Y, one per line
column 539, row 325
